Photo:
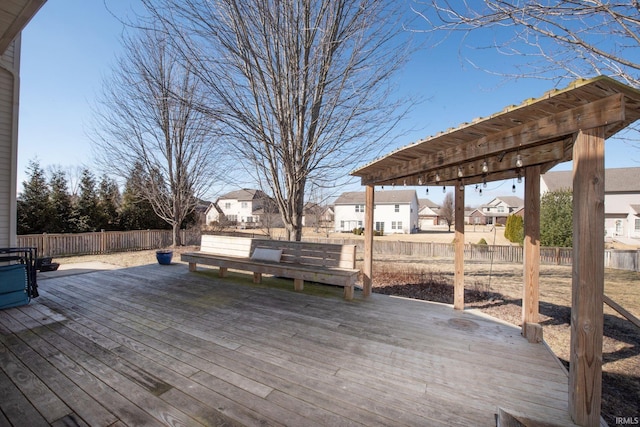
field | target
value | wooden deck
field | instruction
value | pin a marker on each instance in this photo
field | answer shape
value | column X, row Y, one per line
column 158, row 345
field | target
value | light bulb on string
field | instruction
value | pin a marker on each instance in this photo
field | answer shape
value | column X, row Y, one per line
column 444, row 189
column 485, row 167
column 519, row 161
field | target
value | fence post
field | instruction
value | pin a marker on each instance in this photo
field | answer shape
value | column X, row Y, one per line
column 103, row 243
column 45, row 245
column 557, row 256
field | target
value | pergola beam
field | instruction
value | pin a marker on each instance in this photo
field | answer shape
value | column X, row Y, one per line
column 504, row 145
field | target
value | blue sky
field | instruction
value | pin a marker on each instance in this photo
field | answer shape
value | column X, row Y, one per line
column 70, row 46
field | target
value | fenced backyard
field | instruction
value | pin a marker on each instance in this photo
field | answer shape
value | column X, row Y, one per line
column 119, row 241
column 103, row 242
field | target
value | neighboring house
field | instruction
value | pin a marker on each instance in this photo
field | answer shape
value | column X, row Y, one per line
column 633, row 219
column 428, row 214
column 395, row 211
column 621, row 193
column 496, row 211
column 245, row 208
column 315, row 215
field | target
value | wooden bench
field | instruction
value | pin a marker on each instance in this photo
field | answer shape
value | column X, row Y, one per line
column 326, row 263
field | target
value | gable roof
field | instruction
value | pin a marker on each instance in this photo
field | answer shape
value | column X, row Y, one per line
column 511, row 201
column 635, row 208
column 427, row 203
column 380, row 197
column 245, row 194
column 617, row 180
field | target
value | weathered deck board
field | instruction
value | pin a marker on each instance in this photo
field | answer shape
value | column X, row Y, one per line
column 159, row 345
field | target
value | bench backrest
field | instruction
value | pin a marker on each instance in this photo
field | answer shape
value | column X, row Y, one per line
column 304, row 253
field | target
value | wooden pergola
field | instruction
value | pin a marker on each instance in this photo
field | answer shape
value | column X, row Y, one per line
column 526, row 141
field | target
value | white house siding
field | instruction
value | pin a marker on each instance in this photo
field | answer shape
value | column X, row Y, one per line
column 351, row 215
column 633, row 219
column 9, row 90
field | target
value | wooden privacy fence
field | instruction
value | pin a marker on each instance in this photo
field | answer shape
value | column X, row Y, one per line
column 618, row 259
column 103, row 241
column 116, row 241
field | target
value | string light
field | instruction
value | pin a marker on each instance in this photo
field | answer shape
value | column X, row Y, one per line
column 461, row 187
column 480, row 191
column 519, row 178
column 419, row 180
column 444, row 189
column 513, row 188
column 485, row 167
column 460, row 173
column 519, row 161
column 437, row 177
column 484, row 183
column 427, row 191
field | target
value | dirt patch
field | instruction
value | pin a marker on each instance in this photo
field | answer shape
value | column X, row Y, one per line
column 495, row 290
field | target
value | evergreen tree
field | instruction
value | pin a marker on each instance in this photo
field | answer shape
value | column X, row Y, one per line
column 34, row 208
column 556, row 218
column 136, row 212
column 514, row 229
column 87, row 216
column 108, row 204
column 60, row 203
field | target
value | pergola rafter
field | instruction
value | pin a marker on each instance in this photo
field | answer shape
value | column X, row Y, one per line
column 526, row 141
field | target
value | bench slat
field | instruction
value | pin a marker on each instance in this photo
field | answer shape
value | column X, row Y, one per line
column 302, row 261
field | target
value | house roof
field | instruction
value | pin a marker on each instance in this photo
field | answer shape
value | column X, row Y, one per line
column 245, row 194
column 428, row 203
column 380, row 197
column 511, row 201
column 617, row 180
column 635, row 208
column 14, row 16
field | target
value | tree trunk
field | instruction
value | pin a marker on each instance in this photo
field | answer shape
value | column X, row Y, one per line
column 176, row 234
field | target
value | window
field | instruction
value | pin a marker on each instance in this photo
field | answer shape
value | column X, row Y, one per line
column 637, row 227
column 618, row 227
column 379, row 226
column 249, row 219
column 232, row 218
column 359, row 208
column 396, row 225
column 244, row 205
column 500, row 208
column 227, row 205
column 360, row 224
column 397, row 208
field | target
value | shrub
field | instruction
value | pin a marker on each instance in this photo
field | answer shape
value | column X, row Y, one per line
column 482, row 242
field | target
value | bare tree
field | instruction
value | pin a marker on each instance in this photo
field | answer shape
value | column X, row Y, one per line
column 559, row 38
column 147, row 117
column 447, row 210
column 303, row 87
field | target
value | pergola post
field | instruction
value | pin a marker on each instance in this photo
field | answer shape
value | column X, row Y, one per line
column 458, row 291
column 531, row 329
column 367, row 270
column 585, row 372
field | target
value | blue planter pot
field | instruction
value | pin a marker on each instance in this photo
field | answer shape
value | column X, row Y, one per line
column 164, row 257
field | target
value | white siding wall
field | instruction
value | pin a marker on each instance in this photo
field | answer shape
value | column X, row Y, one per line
column 235, row 207
column 9, row 91
column 404, row 221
